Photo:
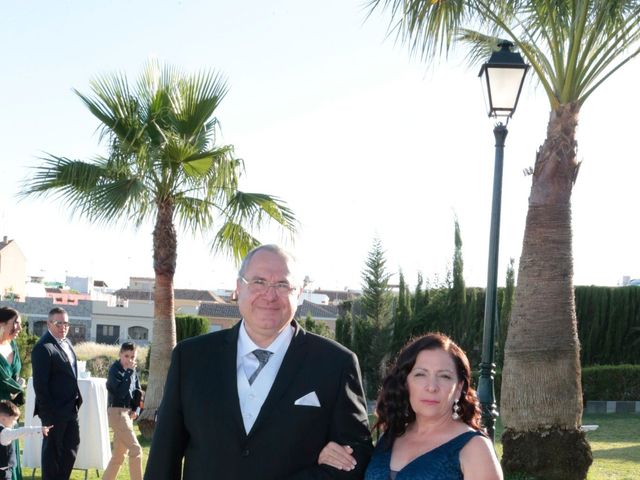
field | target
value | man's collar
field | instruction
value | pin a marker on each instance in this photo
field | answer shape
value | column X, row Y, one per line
column 246, row 345
column 56, row 338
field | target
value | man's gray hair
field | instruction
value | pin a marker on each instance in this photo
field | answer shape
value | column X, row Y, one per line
column 278, row 250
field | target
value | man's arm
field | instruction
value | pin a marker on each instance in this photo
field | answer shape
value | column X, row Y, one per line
column 349, row 426
column 170, row 437
column 41, row 365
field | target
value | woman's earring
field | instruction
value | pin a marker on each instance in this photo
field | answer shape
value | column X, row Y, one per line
column 456, row 410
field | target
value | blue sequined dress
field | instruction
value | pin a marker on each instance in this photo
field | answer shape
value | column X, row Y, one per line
column 441, row 463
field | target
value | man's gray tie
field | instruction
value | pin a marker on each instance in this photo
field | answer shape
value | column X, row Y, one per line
column 263, row 358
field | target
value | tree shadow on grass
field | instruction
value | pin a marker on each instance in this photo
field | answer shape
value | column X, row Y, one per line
column 630, row 454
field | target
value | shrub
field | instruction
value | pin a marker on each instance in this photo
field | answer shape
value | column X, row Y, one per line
column 600, row 382
column 611, row 382
column 25, row 343
column 100, row 356
column 99, row 366
column 190, row 326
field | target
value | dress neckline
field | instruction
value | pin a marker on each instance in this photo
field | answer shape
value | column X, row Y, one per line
column 473, row 432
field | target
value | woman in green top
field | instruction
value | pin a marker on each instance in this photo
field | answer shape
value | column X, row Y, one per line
column 11, row 385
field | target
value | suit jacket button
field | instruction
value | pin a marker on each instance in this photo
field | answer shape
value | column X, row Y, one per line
column 245, row 453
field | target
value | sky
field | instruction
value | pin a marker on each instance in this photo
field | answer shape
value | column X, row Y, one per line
column 329, row 113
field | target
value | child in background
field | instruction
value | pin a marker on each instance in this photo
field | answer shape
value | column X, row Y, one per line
column 9, row 415
column 125, row 395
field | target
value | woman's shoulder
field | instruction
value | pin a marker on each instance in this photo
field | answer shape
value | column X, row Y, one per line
column 478, row 455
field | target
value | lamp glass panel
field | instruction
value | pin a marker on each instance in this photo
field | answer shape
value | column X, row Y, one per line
column 505, row 85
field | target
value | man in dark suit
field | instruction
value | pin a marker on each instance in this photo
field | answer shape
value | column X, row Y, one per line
column 55, row 370
column 262, row 399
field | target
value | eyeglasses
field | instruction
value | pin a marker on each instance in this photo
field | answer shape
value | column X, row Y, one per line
column 260, row 287
column 60, row 323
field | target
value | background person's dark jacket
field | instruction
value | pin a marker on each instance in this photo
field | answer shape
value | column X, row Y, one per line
column 123, row 387
column 54, row 381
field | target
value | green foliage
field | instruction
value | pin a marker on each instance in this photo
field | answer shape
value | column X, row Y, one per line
column 401, row 318
column 572, row 47
column 608, row 324
column 317, row 327
column 505, row 300
column 599, row 382
column 162, row 154
column 99, row 366
column 611, row 382
column 344, row 325
column 190, row 326
column 608, row 319
column 457, row 293
column 26, row 342
column 372, row 332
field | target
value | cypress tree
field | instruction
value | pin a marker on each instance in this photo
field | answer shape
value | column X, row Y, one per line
column 344, row 325
column 459, row 328
column 402, row 317
column 375, row 320
column 505, row 311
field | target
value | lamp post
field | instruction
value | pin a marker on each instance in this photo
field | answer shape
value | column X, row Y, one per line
column 503, row 76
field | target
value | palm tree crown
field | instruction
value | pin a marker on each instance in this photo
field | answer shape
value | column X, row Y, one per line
column 573, row 46
column 161, row 139
column 163, row 165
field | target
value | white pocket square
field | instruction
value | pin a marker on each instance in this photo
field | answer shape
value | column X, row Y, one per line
column 308, row 400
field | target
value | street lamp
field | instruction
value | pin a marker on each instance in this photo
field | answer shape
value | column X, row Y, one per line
column 503, row 76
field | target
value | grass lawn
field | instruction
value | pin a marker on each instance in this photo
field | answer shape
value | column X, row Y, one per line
column 615, row 445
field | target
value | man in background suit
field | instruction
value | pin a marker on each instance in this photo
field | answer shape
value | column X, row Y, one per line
column 260, row 400
column 55, row 371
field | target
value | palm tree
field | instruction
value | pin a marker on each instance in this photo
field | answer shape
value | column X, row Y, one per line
column 573, row 47
column 163, row 165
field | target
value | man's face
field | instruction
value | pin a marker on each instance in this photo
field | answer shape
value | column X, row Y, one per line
column 267, row 313
column 59, row 325
column 128, row 359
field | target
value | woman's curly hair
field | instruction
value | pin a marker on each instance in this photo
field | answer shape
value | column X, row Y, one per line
column 393, row 410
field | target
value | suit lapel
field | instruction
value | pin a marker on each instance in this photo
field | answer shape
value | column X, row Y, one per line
column 228, row 369
column 63, row 355
column 290, row 368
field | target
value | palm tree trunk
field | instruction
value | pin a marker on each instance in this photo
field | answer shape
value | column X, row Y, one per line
column 541, row 401
column 165, row 246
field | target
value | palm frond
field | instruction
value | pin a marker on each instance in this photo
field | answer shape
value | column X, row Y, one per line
column 429, row 28
column 161, row 136
column 234, row 240
column 92, row 190
column 479, row 45
column 195, row 101
column 253, row 209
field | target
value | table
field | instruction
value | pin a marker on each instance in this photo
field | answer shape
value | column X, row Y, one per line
column 95, row 449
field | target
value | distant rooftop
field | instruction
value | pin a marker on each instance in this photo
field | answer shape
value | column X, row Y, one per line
column 221, row 310
column 179, row 293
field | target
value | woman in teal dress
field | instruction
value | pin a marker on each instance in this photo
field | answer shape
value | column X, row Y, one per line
column 11, row 385
column 428, row 418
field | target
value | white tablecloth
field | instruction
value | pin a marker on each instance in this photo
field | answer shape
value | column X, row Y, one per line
column 95, row 449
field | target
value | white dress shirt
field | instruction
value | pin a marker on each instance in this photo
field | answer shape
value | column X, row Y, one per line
column 252, row 396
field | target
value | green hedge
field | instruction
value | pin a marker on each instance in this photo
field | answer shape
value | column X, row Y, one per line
column 600, row 382
column 608, row 325
column 611, row 382
column 190, row 326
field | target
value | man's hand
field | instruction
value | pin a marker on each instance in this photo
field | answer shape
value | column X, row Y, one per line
column 337, row 456
column 45, row 430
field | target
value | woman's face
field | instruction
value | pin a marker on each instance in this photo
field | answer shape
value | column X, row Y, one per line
column 11, row 329
column 433, row 385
